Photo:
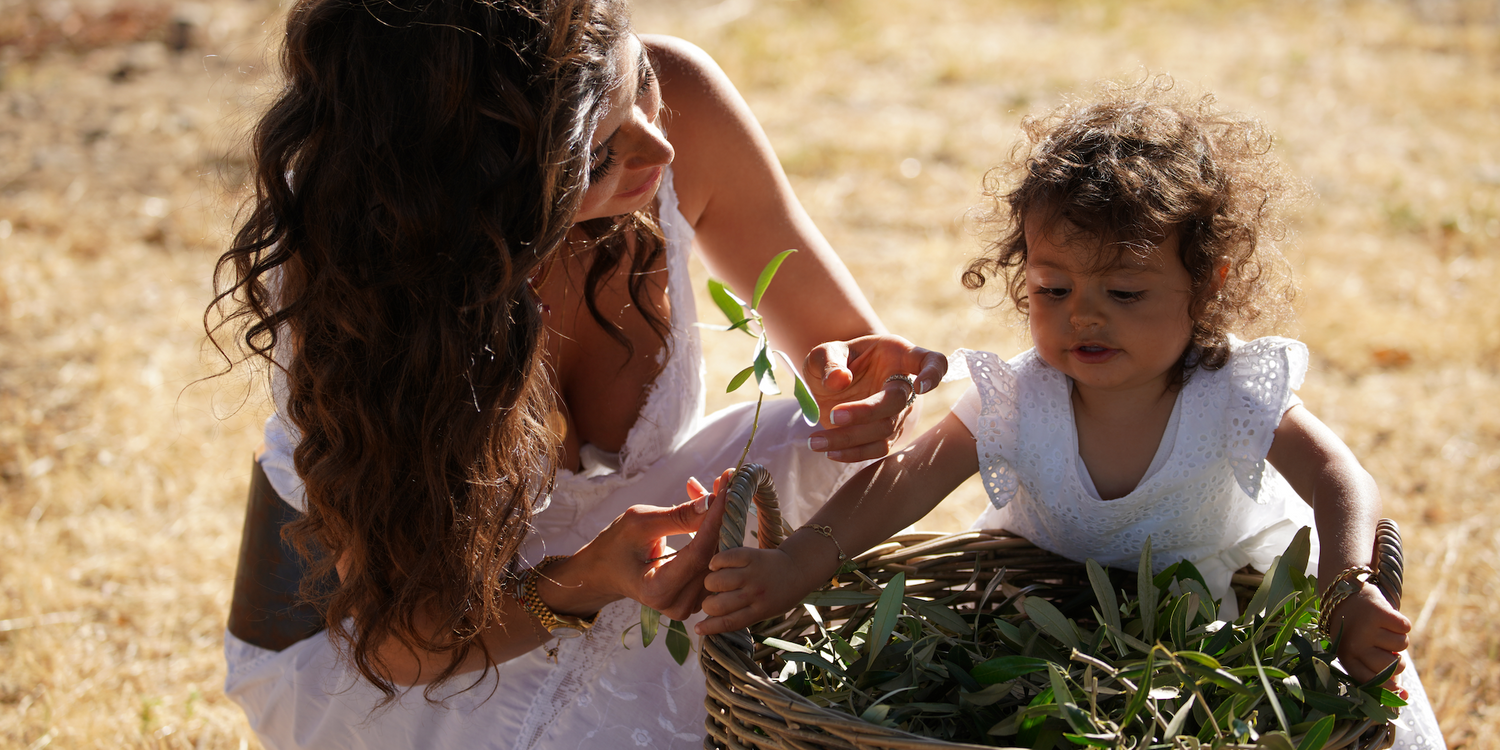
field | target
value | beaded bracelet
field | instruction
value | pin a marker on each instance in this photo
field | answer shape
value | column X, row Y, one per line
column 1345, row 585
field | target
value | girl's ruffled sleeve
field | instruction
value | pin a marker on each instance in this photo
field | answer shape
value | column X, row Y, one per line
column 1265, row 373
column 989, row 410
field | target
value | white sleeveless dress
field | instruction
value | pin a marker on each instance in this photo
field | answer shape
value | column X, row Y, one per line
column 605, row 690
column 1209, row 495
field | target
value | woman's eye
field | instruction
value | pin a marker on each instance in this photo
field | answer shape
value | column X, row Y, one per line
column 1123, row 296
column 601, row 169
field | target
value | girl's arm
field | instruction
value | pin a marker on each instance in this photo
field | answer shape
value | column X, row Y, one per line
column 750, row 585
column 1346, row 507
column 731, row 188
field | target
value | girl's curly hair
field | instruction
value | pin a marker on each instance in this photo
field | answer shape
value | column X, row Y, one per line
column 1128, row 169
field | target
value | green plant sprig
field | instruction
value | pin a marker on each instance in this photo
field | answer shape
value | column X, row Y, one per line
column 743, row 316
column 1151, row 669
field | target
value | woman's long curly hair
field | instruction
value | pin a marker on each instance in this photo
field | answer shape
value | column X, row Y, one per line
column 1128, row 169
column 423, row 160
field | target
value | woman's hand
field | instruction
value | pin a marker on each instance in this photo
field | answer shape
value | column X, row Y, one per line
column 630, row 559
column 865, row 409
column 1370, row 635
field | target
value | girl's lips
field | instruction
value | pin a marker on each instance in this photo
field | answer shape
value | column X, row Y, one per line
column 1090, row 354
column 646, row 184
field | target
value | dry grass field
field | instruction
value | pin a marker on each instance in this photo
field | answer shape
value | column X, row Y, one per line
column 122, row 125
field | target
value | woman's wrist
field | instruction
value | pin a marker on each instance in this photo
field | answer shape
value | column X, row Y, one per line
column 564, row 587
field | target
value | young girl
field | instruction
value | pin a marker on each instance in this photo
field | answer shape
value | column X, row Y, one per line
column 1133, row 243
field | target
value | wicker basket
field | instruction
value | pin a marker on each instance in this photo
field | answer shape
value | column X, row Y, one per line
column 747, row 709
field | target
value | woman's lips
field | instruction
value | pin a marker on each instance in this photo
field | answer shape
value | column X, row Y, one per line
column 646, row 184
column 1093, row 354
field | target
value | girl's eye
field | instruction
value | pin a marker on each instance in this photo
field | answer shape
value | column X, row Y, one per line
column 600, row 170
column 1052, row 292
column 1122, row 296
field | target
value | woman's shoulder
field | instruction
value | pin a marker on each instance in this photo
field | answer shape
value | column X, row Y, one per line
column 708, row 123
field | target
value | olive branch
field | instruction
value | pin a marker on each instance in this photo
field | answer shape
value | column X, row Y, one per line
column 743, row 316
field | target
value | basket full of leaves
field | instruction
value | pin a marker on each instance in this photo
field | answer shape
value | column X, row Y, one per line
column 982, row 639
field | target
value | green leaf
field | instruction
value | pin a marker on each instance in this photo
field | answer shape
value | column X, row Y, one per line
column 1201, row 658
column 1385, row 674
column 1104, row 591
column 1293, row 559
column 1109, row 739
column 1266, row 681
column 679, row 645
column 733, row 307
column 650, row 621
column 1318, row 735
column 941, row 616
column 1052, row 622
column 1293, row 687
column 1060, row 690
column 1007, row 668
column 778, row 643
column 739, row 379
column 764, row 378
column 1147, row 594
column 1275, row 741
column 838, row 598
column 1142, row 691
column 766, row 274
column 820, row 663
column 1388, row 698
column 810, row 412
column 1174, row 727
column 887, row 610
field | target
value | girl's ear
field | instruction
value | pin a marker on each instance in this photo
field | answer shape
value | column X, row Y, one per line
column 1221, row 274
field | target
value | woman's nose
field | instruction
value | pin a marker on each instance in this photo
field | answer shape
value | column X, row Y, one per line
column 649, row 147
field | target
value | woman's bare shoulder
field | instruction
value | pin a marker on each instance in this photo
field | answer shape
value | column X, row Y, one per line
column 711, row 128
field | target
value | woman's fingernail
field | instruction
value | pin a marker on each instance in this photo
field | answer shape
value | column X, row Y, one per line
column 817, row 443
column 839, row 416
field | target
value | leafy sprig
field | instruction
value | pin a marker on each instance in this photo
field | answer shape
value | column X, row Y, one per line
column 743, row 316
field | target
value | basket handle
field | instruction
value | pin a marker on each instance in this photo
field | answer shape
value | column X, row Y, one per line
column 752, row 482
column 1388, row 561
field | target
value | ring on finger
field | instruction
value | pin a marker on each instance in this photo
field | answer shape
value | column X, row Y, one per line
column 911, row 386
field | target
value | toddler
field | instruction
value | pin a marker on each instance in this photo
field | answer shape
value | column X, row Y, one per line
column 1133, row 241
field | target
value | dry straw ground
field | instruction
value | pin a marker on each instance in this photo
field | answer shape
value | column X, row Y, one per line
column 121, row 160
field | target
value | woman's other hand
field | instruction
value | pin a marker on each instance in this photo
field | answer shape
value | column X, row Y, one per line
column 630, row 559
column 864, row 409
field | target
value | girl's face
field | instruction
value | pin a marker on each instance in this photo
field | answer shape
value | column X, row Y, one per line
column 629, row 152
column 1111, row 329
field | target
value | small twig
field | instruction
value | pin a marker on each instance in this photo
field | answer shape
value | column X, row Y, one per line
column 52, row 618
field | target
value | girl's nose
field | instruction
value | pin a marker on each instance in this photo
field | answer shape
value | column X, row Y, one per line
column 1084, row 313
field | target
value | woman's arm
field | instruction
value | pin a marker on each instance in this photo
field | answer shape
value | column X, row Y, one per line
column 732, row 189
column 883, row 498
column 622, row 562
column 1346, row 506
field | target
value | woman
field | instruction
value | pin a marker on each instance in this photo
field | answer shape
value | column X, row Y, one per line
column 467, row 257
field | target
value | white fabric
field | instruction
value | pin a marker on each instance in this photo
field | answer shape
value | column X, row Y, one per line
column 605, row 690
column 1214, row 500
column 1209, row 495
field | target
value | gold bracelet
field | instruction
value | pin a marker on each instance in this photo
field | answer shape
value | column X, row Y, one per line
column 558, row 626
column 827, row 531
column 1345, row 585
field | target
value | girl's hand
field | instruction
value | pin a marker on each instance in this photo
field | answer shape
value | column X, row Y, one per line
column 1373, row 633
column 750, row 585
column 630, row 559
column 866, row 410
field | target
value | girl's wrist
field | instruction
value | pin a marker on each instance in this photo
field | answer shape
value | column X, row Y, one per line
column 816, row 553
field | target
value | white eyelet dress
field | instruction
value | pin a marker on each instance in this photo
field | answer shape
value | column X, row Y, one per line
column 605, row 690
column 1209, row 495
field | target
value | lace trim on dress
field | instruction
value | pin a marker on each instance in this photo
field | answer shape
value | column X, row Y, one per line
column 1264, row 374
column 998, row 418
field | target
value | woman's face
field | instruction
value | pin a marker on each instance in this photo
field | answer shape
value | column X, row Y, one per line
column 629, row 152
